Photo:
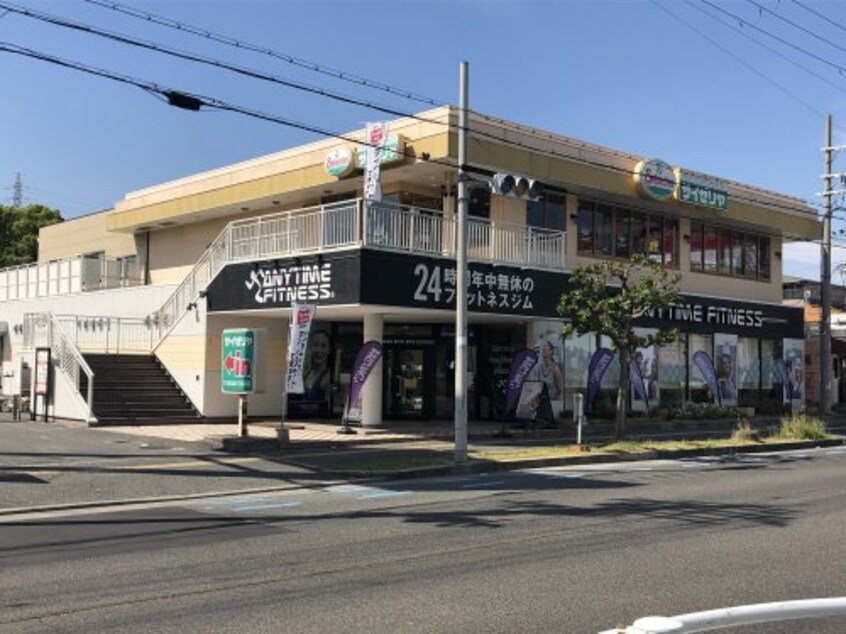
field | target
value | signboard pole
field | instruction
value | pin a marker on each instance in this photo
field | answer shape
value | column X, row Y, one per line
column 242, row 415
column 42, row 381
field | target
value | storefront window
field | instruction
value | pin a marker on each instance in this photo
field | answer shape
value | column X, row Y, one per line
column 737, row 253
column 695, row 246
column 710, row 250
column 764, row 258
column 725, row 252
column 672, row 374
column 547, row 212
column 585, row 229
column 603, row 230
column 748, row 371
column 671, row 243
column 772, row 387
column 622, row 233
column 607, row 230
column 577, row 353
column 751, row 257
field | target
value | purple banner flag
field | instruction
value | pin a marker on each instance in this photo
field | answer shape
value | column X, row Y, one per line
column 706, row 367
column 524, row 362
column 599, row 363
column 636, row 381
column 365, row 361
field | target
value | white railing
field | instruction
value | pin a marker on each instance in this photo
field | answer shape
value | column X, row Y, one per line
column 43, row 329
column 63, row 277
column 117, row 335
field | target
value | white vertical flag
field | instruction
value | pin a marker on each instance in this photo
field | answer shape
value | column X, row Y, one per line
column 375, row 135
column 301, row 317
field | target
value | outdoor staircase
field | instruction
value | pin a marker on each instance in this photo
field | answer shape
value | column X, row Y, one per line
column 134, row 389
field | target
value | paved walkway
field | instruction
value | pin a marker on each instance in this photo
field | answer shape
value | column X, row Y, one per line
column 299, row 433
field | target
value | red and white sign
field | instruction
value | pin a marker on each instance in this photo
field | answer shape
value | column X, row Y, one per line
column 42, row 371
column 301, row 317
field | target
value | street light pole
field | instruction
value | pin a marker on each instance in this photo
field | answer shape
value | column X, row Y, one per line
column 461, row 279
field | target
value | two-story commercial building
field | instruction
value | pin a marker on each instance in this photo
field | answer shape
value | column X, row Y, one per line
column 165, row 271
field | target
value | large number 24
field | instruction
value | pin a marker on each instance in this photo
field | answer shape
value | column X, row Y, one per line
column 430, row 283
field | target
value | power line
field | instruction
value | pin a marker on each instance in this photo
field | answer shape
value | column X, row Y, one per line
column 241, row 44
column 772, row 50
column 254, row 74
column 738, row 59
column 742, row 22
column 819, row 15
column 191, row 101
column 797, row 26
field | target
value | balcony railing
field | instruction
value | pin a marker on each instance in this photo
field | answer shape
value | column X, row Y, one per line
column 63, row 277
column 356, row 224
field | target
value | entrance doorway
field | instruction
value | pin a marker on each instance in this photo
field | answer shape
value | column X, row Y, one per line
column 408, row 392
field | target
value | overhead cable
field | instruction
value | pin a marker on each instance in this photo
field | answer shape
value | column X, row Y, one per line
column 243, row 45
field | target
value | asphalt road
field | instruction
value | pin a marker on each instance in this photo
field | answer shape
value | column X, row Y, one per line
column 553, row 550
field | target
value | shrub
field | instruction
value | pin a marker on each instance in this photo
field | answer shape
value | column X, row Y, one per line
column 802, row 427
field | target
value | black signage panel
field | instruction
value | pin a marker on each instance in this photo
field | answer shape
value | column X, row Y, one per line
column 414, row 281
column 397, row 279
column 326, row 279
column 748, row 319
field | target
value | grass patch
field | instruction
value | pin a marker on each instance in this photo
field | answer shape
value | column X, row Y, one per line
column 802, row 427
column 525, row 453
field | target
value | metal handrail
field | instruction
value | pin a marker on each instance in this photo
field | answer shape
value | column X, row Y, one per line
column 67, row 355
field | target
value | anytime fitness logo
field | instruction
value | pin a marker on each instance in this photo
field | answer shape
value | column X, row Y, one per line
column 291, row 284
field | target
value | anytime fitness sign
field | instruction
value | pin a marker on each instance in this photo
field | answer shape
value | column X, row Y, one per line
column 279, row 284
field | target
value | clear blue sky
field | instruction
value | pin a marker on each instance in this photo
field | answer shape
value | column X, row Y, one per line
column 625, row 74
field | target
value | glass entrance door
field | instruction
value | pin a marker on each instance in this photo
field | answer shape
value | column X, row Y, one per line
column 405, row 393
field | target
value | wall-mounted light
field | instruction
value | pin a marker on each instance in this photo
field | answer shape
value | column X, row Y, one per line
column 777, row 254
column 191, row 306
column 574, row 216
column 686, row 237
column 203, row 292
column 451, row 191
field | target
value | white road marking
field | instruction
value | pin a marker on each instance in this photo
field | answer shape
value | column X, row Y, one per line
column 261, row 507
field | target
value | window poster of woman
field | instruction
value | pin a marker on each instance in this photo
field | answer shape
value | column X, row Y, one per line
column 549, row 369
column 794, row 381
column 317, row 375
column 647, row 364
column 725, row 365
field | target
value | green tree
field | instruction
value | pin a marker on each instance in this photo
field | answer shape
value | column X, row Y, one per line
column 607, row 297
column 19, row 232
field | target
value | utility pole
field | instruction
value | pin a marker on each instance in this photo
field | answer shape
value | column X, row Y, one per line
column 461, row 279
column 825, row 277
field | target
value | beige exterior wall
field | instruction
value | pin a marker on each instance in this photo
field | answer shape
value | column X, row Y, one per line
column 88, row 234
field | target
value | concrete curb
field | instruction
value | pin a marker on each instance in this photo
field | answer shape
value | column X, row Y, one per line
column 490, row 466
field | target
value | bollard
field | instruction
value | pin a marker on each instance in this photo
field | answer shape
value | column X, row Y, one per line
column 16, row 408
column 578, row 415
